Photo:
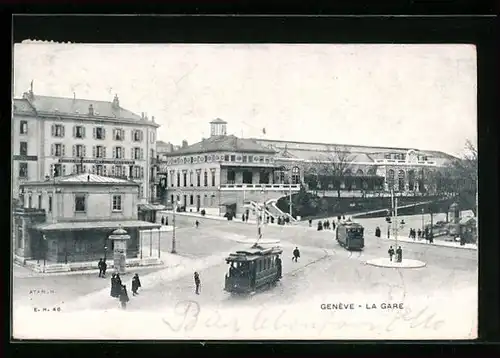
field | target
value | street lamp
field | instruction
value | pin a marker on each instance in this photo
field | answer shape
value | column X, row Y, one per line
column 423, row 210
column 105, row 252
column 174, row 251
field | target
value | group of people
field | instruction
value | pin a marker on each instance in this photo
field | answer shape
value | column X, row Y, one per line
column 164, row 220
column 326, row 225
column 398, row 253
column 119, row 290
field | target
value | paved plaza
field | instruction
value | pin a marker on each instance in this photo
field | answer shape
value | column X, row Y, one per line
column 324, row 270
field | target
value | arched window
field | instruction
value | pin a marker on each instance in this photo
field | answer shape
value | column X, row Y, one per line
column 359, row 179
column 295, row 175
column 411, row 180
column 348, row 180
column 390, row 179
column 401, row 180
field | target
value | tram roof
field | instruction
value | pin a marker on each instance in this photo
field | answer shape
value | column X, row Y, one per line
column 253, row 254
column 351, row 224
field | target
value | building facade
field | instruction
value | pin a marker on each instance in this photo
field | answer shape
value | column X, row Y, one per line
column 224, row 173
column 69, row 219
column 55, row 136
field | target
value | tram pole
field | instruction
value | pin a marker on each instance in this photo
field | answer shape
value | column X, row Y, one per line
column 396, row 220
column 173, row 229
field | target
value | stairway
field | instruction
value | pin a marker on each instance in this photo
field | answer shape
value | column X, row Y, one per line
column 271, row 204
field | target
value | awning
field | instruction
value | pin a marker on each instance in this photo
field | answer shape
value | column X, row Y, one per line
column 151, row 207
column 89, row 225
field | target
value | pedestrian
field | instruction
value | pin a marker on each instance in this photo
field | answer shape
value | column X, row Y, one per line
column 136, row 284
column 115, row 286
column 99, row 265
column 243, row 217
column 279, row 267
column 391, row 253
column 104, row 268
column 272, row 219
column 296, row 254
column 124, row 296
column 197, row 282
column 163, row 220
column 310, row 222
column 410, row 234
column 333, row 225
column 343, row 217
column 320, row 226
column 166, row 221
column 377, row 232
column 399, row 254
column 197, row 223
column 419, row 233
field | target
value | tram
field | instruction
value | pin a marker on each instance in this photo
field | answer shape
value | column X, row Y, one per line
column 350, row 235
column 253, row 269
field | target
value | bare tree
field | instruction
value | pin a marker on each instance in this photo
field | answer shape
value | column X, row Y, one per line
column 333, row 166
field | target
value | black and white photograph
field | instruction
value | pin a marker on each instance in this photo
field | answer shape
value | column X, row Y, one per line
column 244, row 191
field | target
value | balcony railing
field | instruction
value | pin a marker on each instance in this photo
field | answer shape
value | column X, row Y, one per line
column 293, row 187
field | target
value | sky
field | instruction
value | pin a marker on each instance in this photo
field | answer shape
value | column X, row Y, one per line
column 420, row 96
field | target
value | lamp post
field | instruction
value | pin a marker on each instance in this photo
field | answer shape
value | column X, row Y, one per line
column 151, row 243
column 159, row 241
column 423, row 210
column 174, row 251
column 105, row 252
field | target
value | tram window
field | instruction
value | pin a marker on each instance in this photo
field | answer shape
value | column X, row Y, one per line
column 259, row 266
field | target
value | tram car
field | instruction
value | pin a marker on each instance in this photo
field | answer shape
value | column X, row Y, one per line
column 254, row 269
column 350, row 235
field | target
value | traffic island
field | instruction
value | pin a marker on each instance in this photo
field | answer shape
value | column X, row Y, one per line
column 406, row 263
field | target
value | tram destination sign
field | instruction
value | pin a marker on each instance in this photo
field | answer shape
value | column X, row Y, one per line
column 97, row 161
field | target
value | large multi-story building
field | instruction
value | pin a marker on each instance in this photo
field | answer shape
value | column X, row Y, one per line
column 55, row 136
column 225, row 173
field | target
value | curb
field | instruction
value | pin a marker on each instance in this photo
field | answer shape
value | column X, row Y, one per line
column 406, row 264
column 433, row 244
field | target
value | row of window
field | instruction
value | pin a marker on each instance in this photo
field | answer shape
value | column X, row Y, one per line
column 80, row 202
column 402, row 156
column 98, row 151
column 198, row 200
column 114, row 170
column 99, row 169
column 79, row 131
column 224, row 158
column 190, row 175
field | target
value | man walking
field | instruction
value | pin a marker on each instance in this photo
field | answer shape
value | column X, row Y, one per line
column 136, row 284
column 99, row 265
column 399, row 254
column 197, row 282
column 296, row 254
column 391, row 253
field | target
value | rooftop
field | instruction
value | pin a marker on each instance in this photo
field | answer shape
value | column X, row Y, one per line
column 89, row 225
column 33, row 104
column 224, row 143
column 84, row 178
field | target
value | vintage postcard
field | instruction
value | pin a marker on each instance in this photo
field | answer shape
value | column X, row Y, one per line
column 250, row 191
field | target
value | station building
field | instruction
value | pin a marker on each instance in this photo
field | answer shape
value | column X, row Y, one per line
column 69, row 218
column 56, row 136
column 225, row 173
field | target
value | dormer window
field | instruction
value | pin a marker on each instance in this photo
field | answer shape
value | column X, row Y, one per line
column 91, row 110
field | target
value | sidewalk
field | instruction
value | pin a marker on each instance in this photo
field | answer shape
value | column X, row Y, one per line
column 435, row 243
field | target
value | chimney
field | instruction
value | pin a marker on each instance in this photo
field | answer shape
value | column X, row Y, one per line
column 153, row 119
column 142, row 115
column 184, row 143
column 116, row 102
column 91, row 110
